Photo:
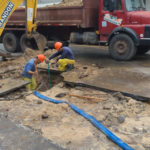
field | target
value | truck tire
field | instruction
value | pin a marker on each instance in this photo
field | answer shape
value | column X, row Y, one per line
column 122, row 47
column 141, row 50
column 11, row 43
column 27, row 43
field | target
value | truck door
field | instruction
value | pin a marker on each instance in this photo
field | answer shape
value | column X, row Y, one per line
column 110, row 20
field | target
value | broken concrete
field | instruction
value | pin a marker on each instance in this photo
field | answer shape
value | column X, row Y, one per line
column 112, row 80
column 18, row 137
column 11, row 85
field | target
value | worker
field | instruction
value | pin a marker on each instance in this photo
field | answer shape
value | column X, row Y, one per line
column 66, row 60
column 29, row 71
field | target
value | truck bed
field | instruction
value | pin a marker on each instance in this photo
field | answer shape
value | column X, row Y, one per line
column 85, row 16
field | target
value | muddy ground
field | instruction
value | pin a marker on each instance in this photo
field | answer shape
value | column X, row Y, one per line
column 125, row 117
column 69, row 129
column 13, row 68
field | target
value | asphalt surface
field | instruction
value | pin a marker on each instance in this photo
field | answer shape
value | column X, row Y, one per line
column 2, row 49
column 17, row 137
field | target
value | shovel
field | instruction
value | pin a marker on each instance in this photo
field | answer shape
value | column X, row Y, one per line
column 64, row 94
column 36, row 75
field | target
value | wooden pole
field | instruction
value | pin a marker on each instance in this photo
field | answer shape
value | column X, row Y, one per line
column 36, row 74
column 87, row 97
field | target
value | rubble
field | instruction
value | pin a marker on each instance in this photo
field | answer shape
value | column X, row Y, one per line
column 122, row 115
column 107, row 106
column 62, row 121
column 121, row 118
column 44, row 116
column 39, row 102
column 13, row 69
column 67, row 3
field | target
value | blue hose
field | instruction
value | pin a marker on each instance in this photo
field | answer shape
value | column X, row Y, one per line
column 91, row 119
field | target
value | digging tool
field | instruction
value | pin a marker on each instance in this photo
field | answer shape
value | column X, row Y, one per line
column 64, row 94
column 36, row 74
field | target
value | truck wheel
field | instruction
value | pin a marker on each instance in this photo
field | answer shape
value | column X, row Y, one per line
column 122, row 47
column 141, row 50
column 27, row 43
column 11, row 43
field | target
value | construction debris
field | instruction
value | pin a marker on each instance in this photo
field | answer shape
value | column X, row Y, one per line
column 82, row 76
column 121, row 119
column 67, row 3
column 44, row 116
column 39, row 102
column 1, row 84
column 13, row 68
column 85, row 67
column 11, row 85
column 63, row 122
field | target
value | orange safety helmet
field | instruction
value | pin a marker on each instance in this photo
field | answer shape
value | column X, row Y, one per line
column 41, row 57
column 58, row 45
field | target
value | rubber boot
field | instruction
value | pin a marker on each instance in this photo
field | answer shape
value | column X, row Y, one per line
column 69, row 67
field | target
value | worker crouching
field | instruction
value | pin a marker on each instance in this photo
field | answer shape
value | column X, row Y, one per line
column 29, row 71
column 66, row 60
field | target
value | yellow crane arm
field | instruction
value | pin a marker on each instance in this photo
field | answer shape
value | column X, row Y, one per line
column 7, row 7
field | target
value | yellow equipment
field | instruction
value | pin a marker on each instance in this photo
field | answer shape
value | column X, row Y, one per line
column 7, row 7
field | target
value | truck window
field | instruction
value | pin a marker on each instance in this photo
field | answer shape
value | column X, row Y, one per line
column 132, row 5
column 117, row 5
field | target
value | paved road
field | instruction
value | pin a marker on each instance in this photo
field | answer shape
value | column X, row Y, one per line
column 2, row 48
column 17, row 137
column 94, row 54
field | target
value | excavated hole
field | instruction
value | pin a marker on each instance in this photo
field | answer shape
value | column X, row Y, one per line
column 55, row 78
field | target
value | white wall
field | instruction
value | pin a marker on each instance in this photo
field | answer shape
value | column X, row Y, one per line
column 148, row 5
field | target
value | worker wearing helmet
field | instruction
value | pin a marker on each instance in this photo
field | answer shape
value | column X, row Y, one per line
column 29, row 71
column 66, row 60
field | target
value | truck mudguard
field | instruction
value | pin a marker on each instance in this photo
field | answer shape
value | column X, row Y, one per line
column 127, row 30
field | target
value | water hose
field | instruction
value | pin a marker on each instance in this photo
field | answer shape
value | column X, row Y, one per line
column 113, row 137
column 49, row 77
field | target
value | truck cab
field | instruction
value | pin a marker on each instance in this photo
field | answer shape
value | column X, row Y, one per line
column 124, row 25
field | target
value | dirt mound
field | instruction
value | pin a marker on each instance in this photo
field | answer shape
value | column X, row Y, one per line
column 14, row 68
column 67, row 3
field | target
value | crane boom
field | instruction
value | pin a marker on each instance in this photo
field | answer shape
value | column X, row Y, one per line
column 7, row 7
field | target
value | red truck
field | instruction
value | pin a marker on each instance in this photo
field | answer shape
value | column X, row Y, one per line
column 123, row 25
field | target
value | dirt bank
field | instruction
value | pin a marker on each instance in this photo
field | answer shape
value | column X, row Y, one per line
column 67, row 3
column 14, row 68
column 71, row 130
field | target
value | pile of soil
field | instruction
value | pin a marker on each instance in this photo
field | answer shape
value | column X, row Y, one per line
column 67, row 128
column 67, row 3
column 14, row 68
